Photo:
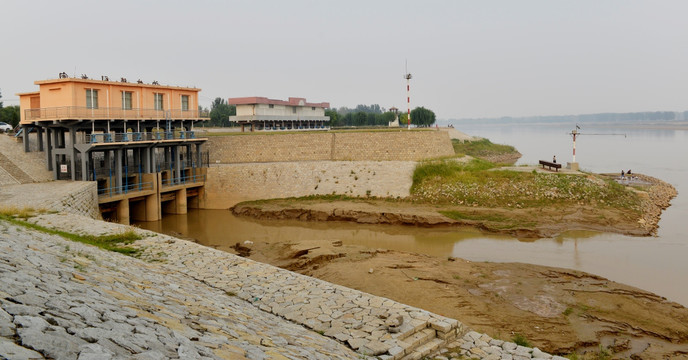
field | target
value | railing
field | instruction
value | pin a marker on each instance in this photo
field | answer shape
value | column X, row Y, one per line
column 124, row 189
column 105, row 113
column 137, row 136
column 183, row 180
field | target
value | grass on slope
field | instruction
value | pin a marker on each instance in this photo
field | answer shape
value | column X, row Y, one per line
column 114, row 242
column 481, row 148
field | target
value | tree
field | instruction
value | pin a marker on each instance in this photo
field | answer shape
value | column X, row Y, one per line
column 334, row 117
column 10, row 115
column 421, row 116
column 220, row 112
column 0, row 98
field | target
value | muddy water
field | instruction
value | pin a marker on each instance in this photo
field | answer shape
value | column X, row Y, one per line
column 658, row 264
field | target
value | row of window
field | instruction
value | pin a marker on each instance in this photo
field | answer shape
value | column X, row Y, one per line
column 293, row 109
column 92, row 100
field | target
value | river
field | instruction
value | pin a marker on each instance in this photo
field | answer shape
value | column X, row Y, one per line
column 658, row 264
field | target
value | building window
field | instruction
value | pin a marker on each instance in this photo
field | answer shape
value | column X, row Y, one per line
column 293, row 110
column 185, row 102
column 271, row 106
column 91, row 99
column 313, row 108
column 158, row 101
column 126, row 100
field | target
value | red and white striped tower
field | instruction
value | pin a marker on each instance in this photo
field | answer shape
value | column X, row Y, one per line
column 408, row 98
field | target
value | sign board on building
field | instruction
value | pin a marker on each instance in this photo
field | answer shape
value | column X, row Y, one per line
column 63, row 168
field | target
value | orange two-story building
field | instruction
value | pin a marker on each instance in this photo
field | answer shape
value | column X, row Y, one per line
column 117, row 133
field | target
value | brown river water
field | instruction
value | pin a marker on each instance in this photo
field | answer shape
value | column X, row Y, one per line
column 658, row 264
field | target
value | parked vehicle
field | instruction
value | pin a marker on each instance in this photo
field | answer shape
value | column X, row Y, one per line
column 5, row 127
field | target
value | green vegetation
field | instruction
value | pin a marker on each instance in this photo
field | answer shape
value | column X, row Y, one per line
column 114, row 242
column 519, row 339
column 449, row 182
column 481, row 148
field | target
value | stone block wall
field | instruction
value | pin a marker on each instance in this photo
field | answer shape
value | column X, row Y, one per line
column 388, row 146
column 269, row 148
column 375, row 146
column 229, row 184
column 75, row 197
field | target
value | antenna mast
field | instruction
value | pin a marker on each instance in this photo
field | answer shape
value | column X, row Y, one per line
column 407, row 76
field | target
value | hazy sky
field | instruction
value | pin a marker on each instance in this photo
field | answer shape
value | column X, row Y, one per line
column 468, row 58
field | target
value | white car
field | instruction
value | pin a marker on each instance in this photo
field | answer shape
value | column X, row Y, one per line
column 5, row 127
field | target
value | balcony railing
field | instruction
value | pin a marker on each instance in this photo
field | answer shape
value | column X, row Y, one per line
column 183, row 180
column 106, row 113
column 110, row 191
column 101, row 138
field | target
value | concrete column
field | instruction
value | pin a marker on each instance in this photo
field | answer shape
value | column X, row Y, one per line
column 177, row 162
column 85, row 157
column 49, row 148
column 123, row 212
column 199, row 158
column 40, row 138
column 146, row 159
column 178, row 205
column 25, row 138
column 72, row 139
column 118, row 171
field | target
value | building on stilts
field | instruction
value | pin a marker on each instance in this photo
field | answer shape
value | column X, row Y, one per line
column 135, row 140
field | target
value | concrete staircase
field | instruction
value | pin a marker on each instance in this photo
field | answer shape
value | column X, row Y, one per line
column 425, row 339
column 13, row 170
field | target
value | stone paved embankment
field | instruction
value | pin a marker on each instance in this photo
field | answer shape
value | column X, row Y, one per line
column 66, row 300
column 183, row 287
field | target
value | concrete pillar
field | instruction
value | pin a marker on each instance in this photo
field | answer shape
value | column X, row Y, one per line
column 118, row 170
column 177, row 163
column 178, row 205
column 40, row 138
column 85, row 159
column 146, row 159
column 25, row 138
column 72, row 140
column 199, row 158
column 49, row 148
column 123, row 212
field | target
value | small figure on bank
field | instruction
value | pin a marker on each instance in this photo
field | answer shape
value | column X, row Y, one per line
column 554, row 159
column 622, row 174
column 628, row 172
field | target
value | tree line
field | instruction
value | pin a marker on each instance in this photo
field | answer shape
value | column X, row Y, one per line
column 361, row 115
column 9, row 114
column 374, row 115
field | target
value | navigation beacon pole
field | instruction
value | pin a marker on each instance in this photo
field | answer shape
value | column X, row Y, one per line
column 408, row 97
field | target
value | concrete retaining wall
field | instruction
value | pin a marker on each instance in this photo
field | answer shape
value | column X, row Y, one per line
column 375, row 146
column 229, row 184
column 75, row 197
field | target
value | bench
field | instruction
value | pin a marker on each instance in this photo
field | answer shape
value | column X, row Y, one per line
column 550, row 165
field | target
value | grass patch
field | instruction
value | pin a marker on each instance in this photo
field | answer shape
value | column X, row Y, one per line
column 519, row 339
column 114, row 242
column 448, row 182
column 481, row 148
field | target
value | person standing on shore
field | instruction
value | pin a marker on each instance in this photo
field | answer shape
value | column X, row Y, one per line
column 554, row 159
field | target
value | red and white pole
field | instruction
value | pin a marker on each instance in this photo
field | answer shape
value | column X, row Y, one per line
column 408, row 101
column 574, row 145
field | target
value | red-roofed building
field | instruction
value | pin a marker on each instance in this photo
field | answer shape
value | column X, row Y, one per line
column 262, row 113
